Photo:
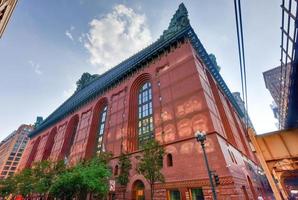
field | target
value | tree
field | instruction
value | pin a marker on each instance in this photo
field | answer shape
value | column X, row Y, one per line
column 24, row 182
column 125, row 166
column 44, row 173
column 35, row 180
column 86, row 177
column 151, row 163
column 7, row 186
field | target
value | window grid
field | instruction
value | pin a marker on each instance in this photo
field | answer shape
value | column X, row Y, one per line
column 145, row 116
column 101, row 128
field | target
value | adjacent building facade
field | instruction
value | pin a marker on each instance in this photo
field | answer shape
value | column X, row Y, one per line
column 11, row 150
column 277, row 82
column 6, row 9
column 167, row 91
column 273, row 82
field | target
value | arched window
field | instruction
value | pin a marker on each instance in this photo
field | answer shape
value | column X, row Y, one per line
column 71, row 131
column 169, row 160
column 145, row 117
column 116, row 170
column 49, row 144
column 101, row 129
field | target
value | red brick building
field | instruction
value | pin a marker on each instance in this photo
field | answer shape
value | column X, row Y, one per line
column 168, row 91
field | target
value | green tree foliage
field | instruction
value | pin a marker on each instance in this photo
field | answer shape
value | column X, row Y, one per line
column 7, row 186
column 44, row 173
column 86, row 177
column 57, row 180
column 24, row 182
column 125, row 166
column 151, row 163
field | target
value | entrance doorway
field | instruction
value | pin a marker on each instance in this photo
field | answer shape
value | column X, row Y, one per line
column 138, row 190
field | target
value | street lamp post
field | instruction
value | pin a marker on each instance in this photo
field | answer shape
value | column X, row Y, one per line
column 201, row 137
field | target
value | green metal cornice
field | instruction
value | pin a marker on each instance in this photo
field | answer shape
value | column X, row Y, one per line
column 213, row 69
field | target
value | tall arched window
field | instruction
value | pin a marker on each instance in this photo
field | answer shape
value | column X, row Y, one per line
column 70, row 136
column 169, row 160
column 145, row 117
column 101, row 129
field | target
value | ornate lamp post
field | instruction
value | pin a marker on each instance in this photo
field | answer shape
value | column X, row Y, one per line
column 201, row 137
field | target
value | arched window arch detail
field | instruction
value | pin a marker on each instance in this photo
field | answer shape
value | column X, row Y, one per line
column 133, row 113
column 145, row 113
column 71, row 131
column 33, row 152
column 49, row 144
column 101, row 129
column 99, row 125
column 169, row 160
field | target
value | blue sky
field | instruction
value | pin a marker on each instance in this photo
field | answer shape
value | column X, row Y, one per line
column 48, row 45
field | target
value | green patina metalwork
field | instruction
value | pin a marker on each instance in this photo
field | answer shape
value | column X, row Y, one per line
column 213, row 60
column 85, row 80
column 178, row 22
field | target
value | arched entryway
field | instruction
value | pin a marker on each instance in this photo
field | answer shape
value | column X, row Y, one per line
column 138, row 190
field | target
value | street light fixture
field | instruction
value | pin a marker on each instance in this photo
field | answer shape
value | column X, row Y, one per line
column 201, row 137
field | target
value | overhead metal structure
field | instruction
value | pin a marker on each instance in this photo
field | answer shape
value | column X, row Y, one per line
column 288, row 104
column 278, row 154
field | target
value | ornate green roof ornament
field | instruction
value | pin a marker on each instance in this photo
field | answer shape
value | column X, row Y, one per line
column 213, row 60
column 85, row 80
column 178, row 22
column 39, row 120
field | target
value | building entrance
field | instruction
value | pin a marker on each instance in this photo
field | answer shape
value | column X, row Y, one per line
column 138, row 191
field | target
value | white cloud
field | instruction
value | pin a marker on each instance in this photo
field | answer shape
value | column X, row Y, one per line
column 68, row 34
column 116, row 36
column 36, row 67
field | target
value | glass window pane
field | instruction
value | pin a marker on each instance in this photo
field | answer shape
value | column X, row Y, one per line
column 140, row 114
column 145, row 86
column 150, row 95
column 101, row 128
column 174, row 195
column 145, row 97
column 145, row 126
column 197, row 194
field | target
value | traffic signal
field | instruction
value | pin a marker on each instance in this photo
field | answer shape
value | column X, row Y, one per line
column 216, row 178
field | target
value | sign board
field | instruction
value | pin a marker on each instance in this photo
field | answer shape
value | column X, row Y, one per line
column 112, row 185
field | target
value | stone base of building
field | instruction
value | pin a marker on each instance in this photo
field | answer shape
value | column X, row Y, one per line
column 193, row 190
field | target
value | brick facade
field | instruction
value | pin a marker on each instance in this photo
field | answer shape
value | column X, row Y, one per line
column 186, row 98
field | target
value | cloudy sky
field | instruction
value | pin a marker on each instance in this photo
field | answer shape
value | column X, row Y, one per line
column 49, row 44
